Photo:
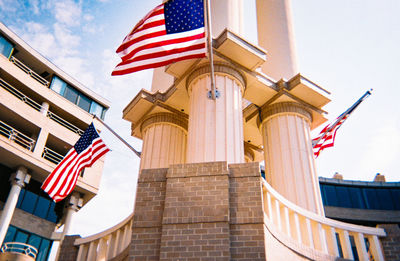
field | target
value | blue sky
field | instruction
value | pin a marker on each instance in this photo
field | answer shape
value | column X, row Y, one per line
column 347, row 47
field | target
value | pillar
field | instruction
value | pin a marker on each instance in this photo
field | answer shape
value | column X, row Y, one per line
column 18, row 181
column 215, row 126
column 74, row 204
column 275, row 35
column 164, row 140
column 44, row 109
column 289, row 159
column 226, row 14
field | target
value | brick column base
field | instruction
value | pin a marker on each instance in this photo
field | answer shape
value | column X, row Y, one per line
column 68, row 252
column 201, row 211
column 391, row 243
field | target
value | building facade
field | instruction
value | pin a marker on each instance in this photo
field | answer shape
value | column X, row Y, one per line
column 43, row 112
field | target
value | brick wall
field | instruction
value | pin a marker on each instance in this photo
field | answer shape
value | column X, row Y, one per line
column 202, row 211
column 68, row 252
column 391, row 243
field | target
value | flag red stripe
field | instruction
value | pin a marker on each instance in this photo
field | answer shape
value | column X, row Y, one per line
column 126, row 45
column 154, row 65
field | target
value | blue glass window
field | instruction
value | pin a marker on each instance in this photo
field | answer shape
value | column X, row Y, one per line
column 52, row 215
column 343, row 197
column 34, row 241
column 357, row 200
column 387, row 203
column 330, row 195
column 44, row 250
column 5, row 47
column 21, row 237
column 42, row 207
column 29, row 202
column 396, row 198
column 58, row 85
column 20, row 198
column 84, row 102
column 97, row 110
column 10, row 234
column 71, row 94
column 371, row 198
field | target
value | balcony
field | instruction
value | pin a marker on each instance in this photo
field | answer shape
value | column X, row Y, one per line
column 52, row 156
column 16, row 136
column 29, row 71
column 36, row 106
column 17, row 251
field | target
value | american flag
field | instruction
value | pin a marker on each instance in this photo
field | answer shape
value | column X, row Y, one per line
column 87, row 150
column 171, row 32
column 326, row 137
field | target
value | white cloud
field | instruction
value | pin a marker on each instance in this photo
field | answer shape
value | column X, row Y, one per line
column 35, row 6
column 9, row 5
column 68, row 42
column 67, row 12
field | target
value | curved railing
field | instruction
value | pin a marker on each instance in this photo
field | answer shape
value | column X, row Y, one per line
column 20, row 248
column 107, row 244
column 16, row 136
column 29, row 71
column 309, row 230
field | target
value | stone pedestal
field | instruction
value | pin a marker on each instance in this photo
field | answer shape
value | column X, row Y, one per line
column 203, row 211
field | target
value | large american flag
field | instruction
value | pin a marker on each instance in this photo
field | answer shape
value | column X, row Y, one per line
column 87, row 150
column 326, row 137
column 171, row 32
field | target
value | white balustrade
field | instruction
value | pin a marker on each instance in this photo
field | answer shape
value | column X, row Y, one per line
column 318, row 232
column 107, row 244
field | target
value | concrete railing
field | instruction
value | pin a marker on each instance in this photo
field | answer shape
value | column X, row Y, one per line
column 29, row 71
column 16, row 136
column 312, row 231
column 107, row 244
column 11, row 89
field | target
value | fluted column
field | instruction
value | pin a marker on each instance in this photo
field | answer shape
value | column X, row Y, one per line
column 215, row 126
column 164, row 140
column 289, row 160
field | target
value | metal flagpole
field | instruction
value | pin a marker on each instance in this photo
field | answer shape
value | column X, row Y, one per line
column 347, row 112
column 210, row 48
column 119, row 137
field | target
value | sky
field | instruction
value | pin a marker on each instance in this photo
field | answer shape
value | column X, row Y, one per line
column 346, row 47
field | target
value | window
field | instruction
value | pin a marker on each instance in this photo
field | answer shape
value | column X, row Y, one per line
column 34, row 201
column 357, row 200
column 71, row 94
column 6, row 47
column 42, row 244
column 343, row 197
column 330, row 195
column 58, row 85
column 76, row 97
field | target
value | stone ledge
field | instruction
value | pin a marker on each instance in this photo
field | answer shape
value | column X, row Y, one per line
column 217, row 168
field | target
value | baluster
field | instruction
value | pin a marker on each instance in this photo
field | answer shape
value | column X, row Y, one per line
column 361, row 249
column 102, row 249
column 270, row 215
column 297, row 227
column 112, row 245
column 92, row 252
column 345, row 243
column 286, row 212
column 278, row 215
column 309, row 233
column 129, row 234
column 322, row 238
column 376, row 249
column 82, row 253
column 332, row 242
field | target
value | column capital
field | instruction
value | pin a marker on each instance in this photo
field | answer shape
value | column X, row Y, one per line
column 20, row 177
column 223, row 68
column 75, row 201
column 284, row 108
column 165, row 117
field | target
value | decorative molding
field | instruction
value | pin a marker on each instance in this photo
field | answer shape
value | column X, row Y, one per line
column 164, row 117
column 284, row 108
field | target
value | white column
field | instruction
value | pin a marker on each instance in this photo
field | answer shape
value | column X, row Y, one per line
column 289, row 159
column 45, row 108
column 18, row 181
column 74, row 204
column 275, row 35
column 226, row 14
column 164, row 140
column 215, row 126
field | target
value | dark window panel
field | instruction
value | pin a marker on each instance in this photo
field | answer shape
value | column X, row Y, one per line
column 371, row 198
column 44, row 250
column 71, row 94
column 6, row 47
column 84, row 102
column 356, row 197
column 343, row 197
column 331, row 197
column 385, row 199
column 35, row 241
column 42, row 207
column 29, row 202
column 21, row 237
column 52, row 215
column 10, row 235
column 396, row 198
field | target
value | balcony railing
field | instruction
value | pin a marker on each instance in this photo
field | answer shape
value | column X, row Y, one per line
column 20, row 248
column 52, row 156
column 106, row 245
column 309, row 230
column 16, row 136
column 38, row 107
column 29, row 71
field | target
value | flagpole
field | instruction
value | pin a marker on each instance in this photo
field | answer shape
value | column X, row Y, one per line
column 119, row 137
column 348, row 111
column 210, row 48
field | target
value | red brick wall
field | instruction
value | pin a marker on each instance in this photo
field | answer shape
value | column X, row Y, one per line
column 391, row 243
column 202, row 211
column 149, row 207
column 68, row 252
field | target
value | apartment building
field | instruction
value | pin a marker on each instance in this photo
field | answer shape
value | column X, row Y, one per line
column 43, row 112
